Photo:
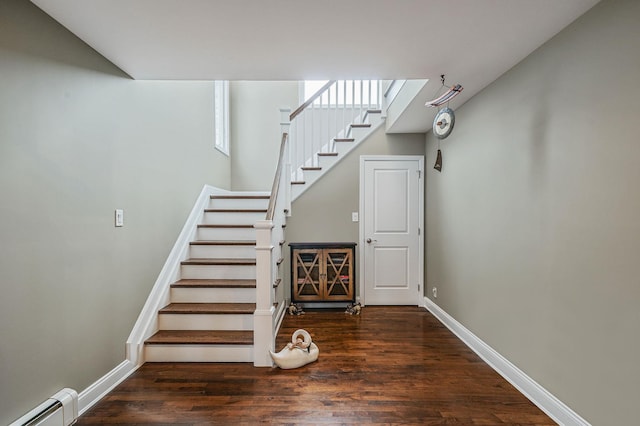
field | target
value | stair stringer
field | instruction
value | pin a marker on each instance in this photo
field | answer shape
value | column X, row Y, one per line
column 359, row 135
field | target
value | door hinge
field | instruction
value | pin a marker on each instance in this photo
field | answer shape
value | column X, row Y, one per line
column 418, row 231
column 418, row 288
column 419, row 174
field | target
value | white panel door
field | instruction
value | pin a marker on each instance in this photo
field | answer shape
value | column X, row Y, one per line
column 391, row 215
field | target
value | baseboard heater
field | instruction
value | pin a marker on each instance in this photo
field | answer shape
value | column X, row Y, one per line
column 59, row 410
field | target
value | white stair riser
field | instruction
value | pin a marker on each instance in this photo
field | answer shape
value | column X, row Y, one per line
column 311, row 175
column 233, row 218
column 238, row 203
column 226, row 234
column 222, row 252
column 198, row 353
column 296, row 190
column 326, row 162
column 343, row 147
column 244, row 272
column 205, row 322
column 358, row 133
column 374, row 118
column 213, row 295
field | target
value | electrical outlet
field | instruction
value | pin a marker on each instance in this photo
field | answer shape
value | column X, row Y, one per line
column 435, row 292
column 119, row 218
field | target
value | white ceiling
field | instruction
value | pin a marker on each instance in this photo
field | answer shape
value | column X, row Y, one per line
column 471, row 41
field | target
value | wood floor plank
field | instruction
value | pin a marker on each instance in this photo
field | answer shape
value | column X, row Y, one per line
column 389, row 365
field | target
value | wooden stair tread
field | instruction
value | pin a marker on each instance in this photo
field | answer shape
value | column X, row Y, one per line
column 215, row 283
column 374, row 111
column 208, row 225
column 277, row 282
column 208, row 261
column 361, row 125
column 240, row 197
column 327, row 154
column 344, row 139
column 311, row 168
column 201, row 337
column 208, row 308
column 298, row 182
column 235, row 210
column 223, row 243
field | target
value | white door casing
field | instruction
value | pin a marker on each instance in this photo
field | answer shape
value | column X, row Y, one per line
column 391, row 230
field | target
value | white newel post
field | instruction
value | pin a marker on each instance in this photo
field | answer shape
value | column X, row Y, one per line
column 263, row 329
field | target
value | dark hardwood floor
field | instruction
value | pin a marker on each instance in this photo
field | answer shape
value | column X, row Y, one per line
column 389, row 365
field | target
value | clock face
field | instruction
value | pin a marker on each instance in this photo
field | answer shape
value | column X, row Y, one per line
column 443, row 123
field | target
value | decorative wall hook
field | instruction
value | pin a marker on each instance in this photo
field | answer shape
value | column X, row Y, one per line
column 445, row 97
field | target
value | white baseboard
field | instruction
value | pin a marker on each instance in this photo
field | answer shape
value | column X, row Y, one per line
column 104, row 385
column 548, row 403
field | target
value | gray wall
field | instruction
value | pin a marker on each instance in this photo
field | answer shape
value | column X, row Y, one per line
column 533, row 231
column 323, row 212
column 255, row 130
column 78, row 139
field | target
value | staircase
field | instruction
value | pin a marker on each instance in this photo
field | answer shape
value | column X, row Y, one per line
column 210, row 314
column 218, row 297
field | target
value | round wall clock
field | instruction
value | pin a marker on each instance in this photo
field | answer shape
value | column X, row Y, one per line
column 443, row 123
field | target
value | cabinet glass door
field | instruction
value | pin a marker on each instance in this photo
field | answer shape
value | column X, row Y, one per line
column 338, row 264
column 307, row 267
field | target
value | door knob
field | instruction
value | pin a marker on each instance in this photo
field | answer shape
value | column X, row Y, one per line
column 369, row 241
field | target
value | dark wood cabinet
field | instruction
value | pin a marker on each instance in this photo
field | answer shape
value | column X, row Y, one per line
column 322, row 272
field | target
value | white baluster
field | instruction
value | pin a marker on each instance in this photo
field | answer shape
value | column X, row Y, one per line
column 335, row 112
column 361, row 101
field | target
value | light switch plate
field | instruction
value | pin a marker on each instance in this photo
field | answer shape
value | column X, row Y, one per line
column 354, row 216
column 119, row 218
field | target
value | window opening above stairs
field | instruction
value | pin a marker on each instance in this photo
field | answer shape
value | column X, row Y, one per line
column 221, row 115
